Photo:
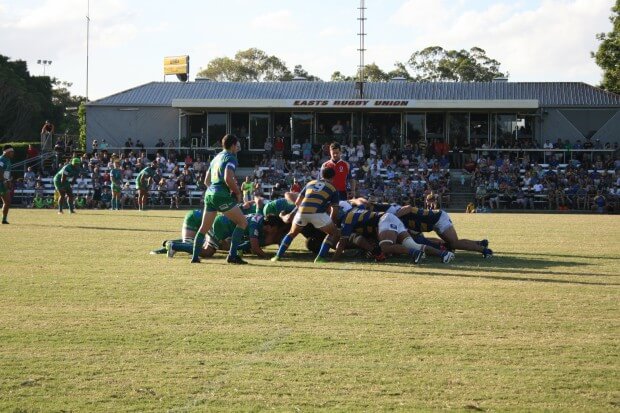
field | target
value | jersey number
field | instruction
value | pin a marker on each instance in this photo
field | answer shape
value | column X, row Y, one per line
column 318, row 186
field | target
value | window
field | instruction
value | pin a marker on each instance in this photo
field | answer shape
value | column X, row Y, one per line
column 478, row 129
column 239, row 125
column 415, row 124
column 302, row 127
column 435, row 126
column 216, row 128
column 459, row 129
column 334, row 126
column 505, row 130
column 259, row 130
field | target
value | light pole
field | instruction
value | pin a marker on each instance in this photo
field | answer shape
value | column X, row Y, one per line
column 44, row 63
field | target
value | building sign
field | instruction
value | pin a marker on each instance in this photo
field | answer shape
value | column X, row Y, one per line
column 176, row 65
column 352, row 103
column 362, row 104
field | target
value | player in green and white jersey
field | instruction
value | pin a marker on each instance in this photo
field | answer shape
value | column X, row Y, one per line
column 260, row 232
column 62, row 183
column 143, row 181
column 222, row 196
column 5, row 180
column 116, row 177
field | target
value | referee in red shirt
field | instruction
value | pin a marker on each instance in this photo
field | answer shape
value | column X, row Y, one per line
column 343, row 171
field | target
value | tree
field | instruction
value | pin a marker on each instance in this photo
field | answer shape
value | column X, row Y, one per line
column 608, row 54
column 434, row 64
column 27, row 101
column 337, row 76
column 299, row 71
column 82, row 125
column 65, row 107
column 252, row 65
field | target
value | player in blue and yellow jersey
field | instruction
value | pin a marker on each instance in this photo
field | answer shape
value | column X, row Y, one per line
column 143, row 181
column 314, row 201
column 359, row 228
column 426, row 220
column 116, row 178
column 62, row 183
column 221, row 187
column 5, row 180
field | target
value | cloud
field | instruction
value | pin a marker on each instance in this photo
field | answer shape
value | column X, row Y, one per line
column 333, row 32
column 276, row 20
column 551, row 41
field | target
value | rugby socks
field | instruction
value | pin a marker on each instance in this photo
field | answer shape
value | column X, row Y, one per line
column 4, row 218
column 244, row 246
column 286, row 242
column 237, row 238
column 325, row 246
column 198, row 243
column 182, row 246
column 60, row 202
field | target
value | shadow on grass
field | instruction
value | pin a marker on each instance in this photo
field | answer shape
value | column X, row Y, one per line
column 589, row 257
column 524, row 270
column 145, row 215
column 159, row 231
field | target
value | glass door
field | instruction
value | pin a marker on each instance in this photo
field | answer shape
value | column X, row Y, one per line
column 259, row 131
column 301, row 126
column 216, row 128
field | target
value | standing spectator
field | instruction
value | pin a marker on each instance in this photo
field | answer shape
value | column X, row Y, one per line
column 268, row 147
column 373, row 148
column 279, row 146
column 5, row 180
column 139, row 145
column 338, row 131
column 360, row 151
column 307, row 150
column 548, row 145
column 296, row 150
column 95, row 146
column 31, row 152
column 47, row 134
column 247, row 187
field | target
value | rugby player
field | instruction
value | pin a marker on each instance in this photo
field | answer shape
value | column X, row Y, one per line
column 191, row 223
column 117, row 184
column 313, row 202
column 5, row 180
column 221, row 182
column 426, row 220
column 62, row 183
column 143, row 181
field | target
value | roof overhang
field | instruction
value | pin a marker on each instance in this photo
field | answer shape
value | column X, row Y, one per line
column 373, row 104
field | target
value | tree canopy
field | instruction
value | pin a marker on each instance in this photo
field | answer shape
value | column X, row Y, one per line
column 27, row 101
column 433, row 64
column 608, row 54
column 252, row 65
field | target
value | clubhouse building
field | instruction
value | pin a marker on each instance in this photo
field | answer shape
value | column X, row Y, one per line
column 197, row 114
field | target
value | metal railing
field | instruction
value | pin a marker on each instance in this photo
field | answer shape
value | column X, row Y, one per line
column 548, row 154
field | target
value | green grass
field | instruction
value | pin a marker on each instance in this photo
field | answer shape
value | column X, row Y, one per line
column 90, row 322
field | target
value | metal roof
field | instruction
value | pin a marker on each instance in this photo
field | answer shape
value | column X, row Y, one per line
column 552, row 94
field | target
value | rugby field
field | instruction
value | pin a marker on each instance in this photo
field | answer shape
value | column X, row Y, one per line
column 89, row 321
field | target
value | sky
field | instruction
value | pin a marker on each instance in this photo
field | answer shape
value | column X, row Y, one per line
column 535, row 40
